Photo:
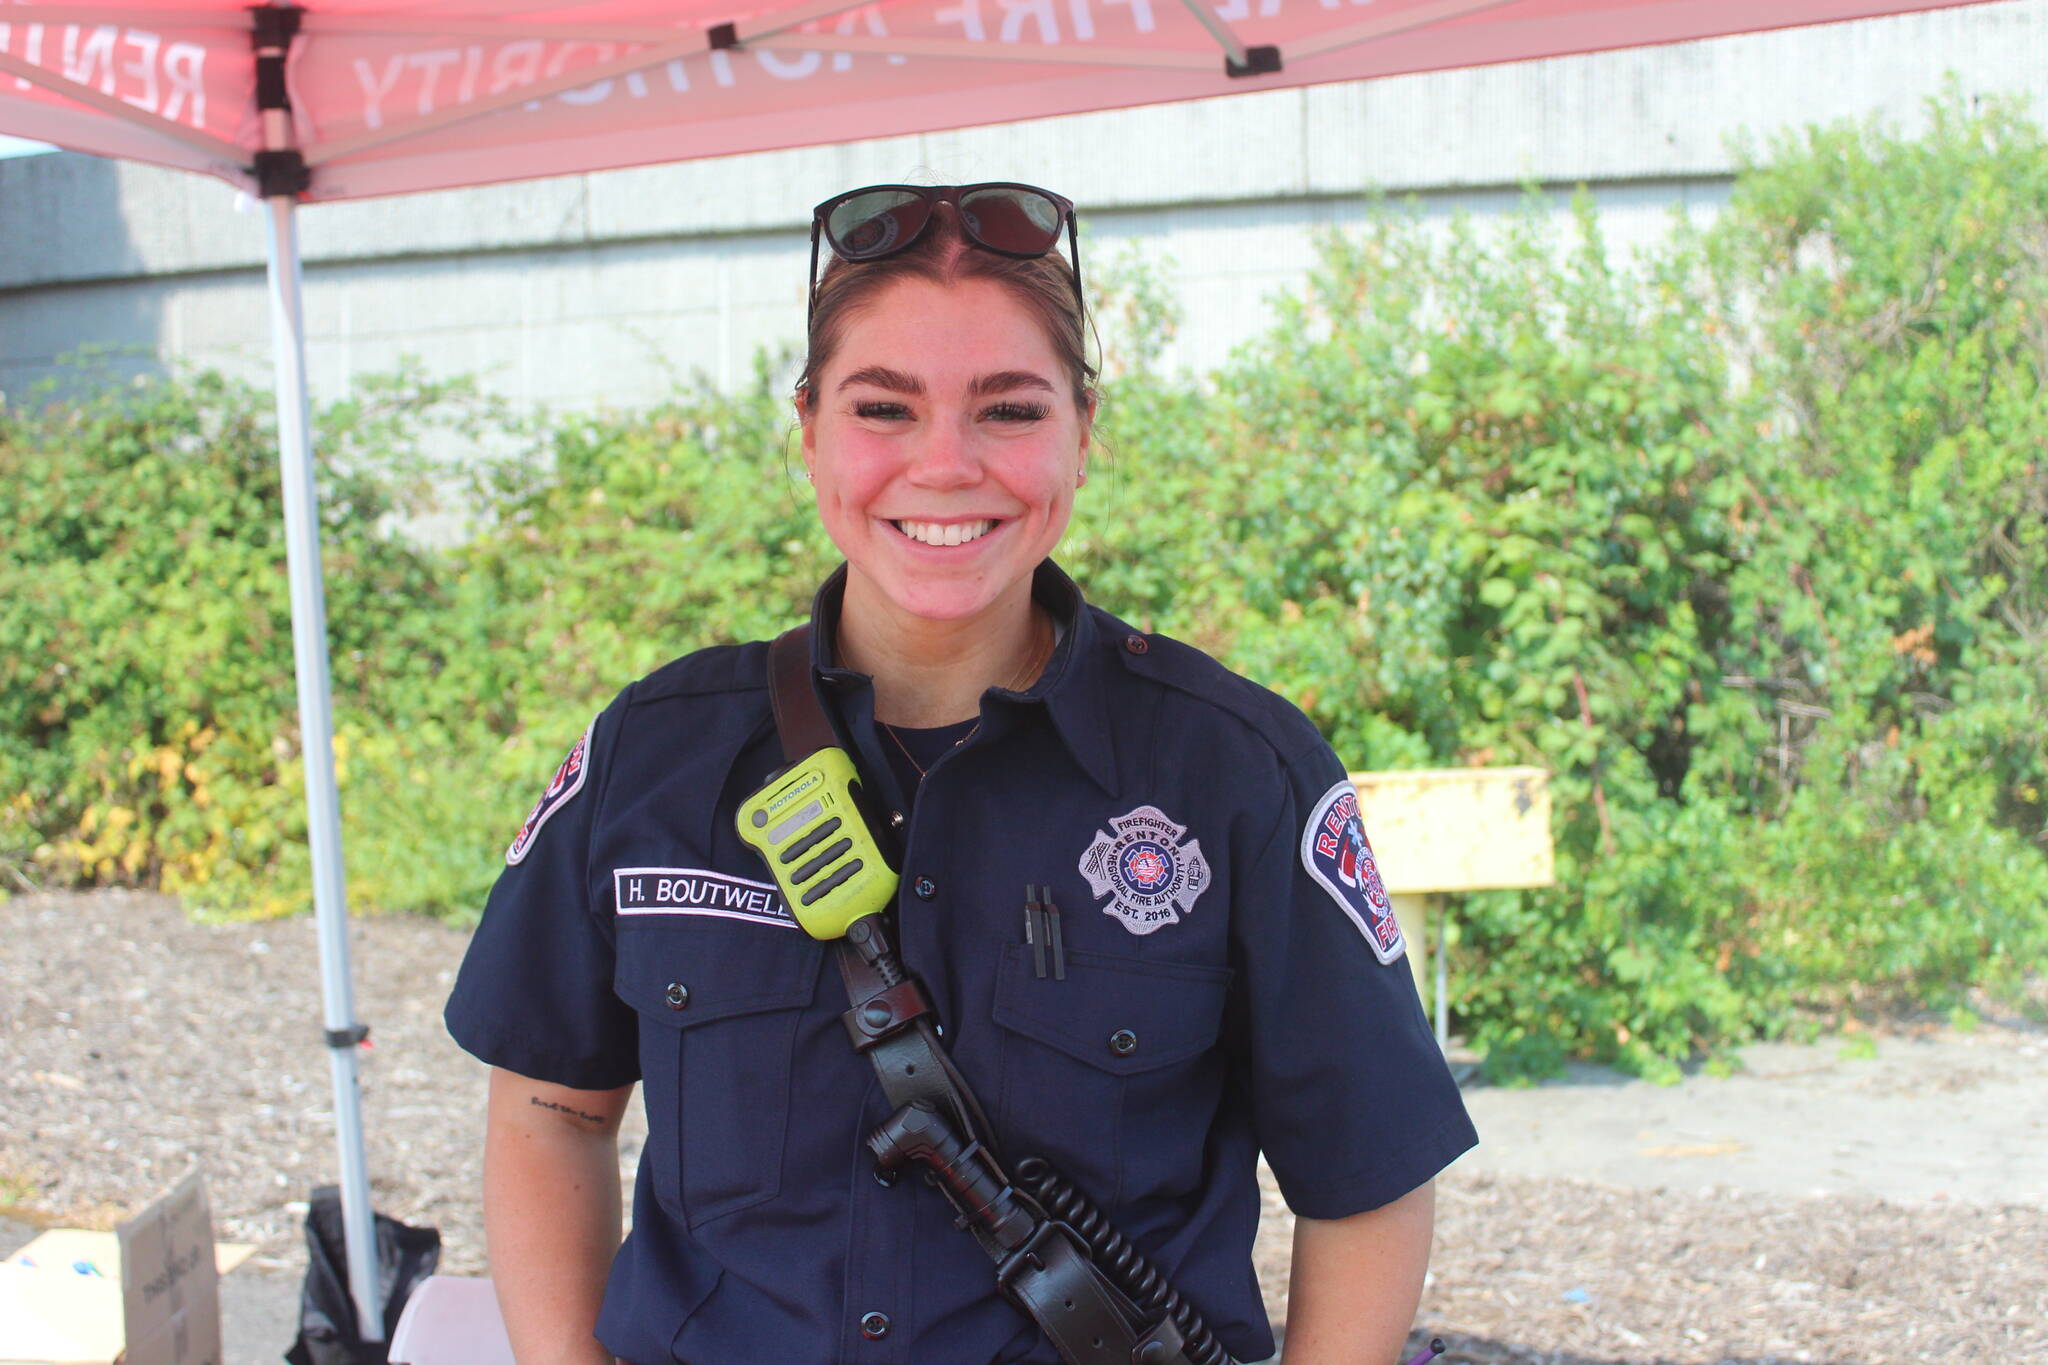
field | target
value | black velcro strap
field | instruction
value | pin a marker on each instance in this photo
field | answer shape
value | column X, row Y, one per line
column 351, row 1036
column 274, row 26
column 881, row 1014
column 281, row 173
column 1258, row 61
column 270, row 82
column 910, row 1062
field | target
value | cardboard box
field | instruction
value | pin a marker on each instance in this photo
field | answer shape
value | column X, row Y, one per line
column 147, row 1293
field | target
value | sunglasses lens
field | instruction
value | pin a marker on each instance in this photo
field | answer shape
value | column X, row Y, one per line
column 874, row 224
column 1022, row 221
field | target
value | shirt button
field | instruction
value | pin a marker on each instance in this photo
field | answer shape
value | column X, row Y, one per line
column 1123, row 1042
column 926, row 888
column 1136, row 644
column 874, row 1326
column 678, row 995
column 895, row 819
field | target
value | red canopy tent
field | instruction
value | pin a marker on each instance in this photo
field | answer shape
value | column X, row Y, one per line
column 346, row 99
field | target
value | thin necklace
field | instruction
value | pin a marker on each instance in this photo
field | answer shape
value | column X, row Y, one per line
column 1023, row 676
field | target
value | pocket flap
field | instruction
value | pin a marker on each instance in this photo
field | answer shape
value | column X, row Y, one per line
column 1122, row 1015
column 693, row 970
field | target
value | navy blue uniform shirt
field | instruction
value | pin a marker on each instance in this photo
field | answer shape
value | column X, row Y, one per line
column 1234, row 983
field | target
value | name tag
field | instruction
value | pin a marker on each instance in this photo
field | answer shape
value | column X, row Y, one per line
column 698, row 891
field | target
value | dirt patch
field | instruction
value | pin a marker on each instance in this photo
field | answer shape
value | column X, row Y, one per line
column 133, row 1041
column 1567, row 1272
column 1921, row 1115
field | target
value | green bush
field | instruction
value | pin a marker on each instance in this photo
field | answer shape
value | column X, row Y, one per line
column 148, row 728
column 1745, row 540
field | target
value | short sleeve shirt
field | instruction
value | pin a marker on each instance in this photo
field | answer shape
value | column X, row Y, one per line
column 1234, row 982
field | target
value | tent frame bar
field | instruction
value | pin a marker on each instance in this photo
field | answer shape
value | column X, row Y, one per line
column 796, row 18
column 1391, row 25
column 109, row 104
column 967, row 50
column 1232, row 45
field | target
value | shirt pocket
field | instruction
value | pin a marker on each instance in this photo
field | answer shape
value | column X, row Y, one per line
column 1113, row 1073
column 719, row 1004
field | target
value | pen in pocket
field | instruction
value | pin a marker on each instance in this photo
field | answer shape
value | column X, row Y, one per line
column 1052, row 923
column 1032, row 934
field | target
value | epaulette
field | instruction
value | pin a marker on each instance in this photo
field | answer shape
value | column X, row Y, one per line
column 1183, row 668
column 717, row 668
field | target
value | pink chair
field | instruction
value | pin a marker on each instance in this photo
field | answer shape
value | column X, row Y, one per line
column 451, row 1320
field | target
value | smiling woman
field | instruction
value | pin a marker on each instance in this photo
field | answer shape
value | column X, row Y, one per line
column 946, row 455
column 1195, row 981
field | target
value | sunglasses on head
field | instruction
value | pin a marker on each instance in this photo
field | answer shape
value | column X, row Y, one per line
column 1009, row 219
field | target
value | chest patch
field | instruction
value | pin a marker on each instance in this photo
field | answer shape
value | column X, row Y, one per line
column 1334, row 850
column 698, row 891
column 568, row 780
column 1150, row 876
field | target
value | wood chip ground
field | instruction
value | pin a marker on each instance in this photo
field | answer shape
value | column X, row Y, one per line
column 133, row 1042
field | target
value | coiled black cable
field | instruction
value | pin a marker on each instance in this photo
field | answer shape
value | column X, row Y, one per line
column 1127, row 1267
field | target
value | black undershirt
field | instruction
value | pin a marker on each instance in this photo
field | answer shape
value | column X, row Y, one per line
column 926, row 746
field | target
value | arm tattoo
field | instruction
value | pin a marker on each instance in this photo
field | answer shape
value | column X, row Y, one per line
column 563, row 1109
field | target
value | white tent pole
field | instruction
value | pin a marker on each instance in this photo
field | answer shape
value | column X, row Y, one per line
column 281, row 176
column 316, row 731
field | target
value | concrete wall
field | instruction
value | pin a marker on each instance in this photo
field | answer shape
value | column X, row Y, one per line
column 611, row 288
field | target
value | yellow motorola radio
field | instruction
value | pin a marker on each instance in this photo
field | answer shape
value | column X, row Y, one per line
column 807, row 824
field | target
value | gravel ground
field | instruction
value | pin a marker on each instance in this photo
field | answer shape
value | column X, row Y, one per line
column 133, row 1043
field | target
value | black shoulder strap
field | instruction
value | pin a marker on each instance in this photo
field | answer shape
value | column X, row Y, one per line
column 1042, row 1265
column 889, row 1019
column 799, row 720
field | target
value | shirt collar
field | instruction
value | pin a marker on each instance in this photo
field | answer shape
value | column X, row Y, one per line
column 1072, row 687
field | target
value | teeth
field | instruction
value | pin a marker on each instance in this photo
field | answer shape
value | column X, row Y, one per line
column 955, row 533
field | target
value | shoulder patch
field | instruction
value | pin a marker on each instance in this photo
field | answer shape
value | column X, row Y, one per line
column 1334, row 850
column 568, row 780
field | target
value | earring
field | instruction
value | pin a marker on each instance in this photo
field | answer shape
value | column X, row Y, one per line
column 810, row 476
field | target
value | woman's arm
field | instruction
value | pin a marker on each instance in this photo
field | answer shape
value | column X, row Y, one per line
column 1356, row 1281
column 551, row 1212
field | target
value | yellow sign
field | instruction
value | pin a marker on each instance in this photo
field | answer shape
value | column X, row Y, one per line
column 1458, row 829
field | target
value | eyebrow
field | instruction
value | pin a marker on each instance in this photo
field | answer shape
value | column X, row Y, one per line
column 883, row 377
column 1004, row 380
column 896, row 381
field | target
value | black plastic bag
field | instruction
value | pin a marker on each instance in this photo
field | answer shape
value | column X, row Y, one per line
column 328, row 1331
